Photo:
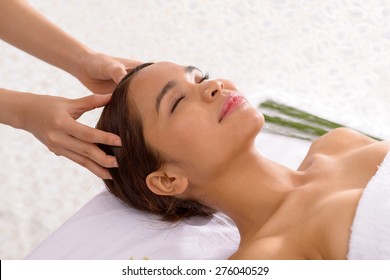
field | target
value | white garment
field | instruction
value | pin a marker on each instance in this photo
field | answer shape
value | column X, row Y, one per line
column 370, row 237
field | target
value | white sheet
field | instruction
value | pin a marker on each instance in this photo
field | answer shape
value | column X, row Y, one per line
column 107, row 229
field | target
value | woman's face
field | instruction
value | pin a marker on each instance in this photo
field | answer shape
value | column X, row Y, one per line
column 199, row 123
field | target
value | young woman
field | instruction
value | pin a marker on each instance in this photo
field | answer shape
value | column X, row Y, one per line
column 188, row 149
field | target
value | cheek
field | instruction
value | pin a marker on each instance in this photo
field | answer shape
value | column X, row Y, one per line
column 194, row 136
column 184, row 139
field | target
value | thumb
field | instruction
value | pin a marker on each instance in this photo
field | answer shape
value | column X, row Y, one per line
column 116, row 71
column 88, row 103
column 96, row 100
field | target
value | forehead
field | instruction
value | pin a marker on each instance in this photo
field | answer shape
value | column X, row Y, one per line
column 148, row 82
column 156, row 74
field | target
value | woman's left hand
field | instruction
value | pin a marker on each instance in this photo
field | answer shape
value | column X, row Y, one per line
column 100, row 73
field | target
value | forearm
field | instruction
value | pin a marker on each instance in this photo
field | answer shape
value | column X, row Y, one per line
column 22, row 26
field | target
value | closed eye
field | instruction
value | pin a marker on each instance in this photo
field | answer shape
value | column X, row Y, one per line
column 176, row 103
column 205, row 77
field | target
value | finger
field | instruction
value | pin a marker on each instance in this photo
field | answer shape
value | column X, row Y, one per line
column 88, row 150
column 77, row 107
column 91, row 102
column 117, row 72
column 92, row 166
column 92, row 135
column 126, row 65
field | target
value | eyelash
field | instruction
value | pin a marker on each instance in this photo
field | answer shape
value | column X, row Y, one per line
column 204, row 78
column 176, row 103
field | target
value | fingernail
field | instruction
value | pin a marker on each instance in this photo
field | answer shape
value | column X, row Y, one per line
column 115, row 164
column 117, row 142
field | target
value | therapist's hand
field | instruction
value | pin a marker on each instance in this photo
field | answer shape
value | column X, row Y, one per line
column 52, row 120
column 100, row 73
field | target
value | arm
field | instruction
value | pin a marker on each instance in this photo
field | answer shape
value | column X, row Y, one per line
column 52, row 120
column 49, row 43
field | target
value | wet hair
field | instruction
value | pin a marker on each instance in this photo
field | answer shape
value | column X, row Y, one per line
column 137, row 159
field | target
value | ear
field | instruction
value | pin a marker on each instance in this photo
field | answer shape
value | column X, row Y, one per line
column 164, row 182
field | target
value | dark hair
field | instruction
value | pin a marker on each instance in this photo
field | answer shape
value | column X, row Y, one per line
column 137, row 159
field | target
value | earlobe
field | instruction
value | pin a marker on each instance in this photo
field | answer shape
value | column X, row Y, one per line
column 166, row 184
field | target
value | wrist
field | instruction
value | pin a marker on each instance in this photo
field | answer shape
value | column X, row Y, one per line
column 14, row 108
column 78, row 59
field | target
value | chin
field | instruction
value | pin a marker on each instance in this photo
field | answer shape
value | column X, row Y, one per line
column 260, row 120
column 255, row 125
column 248, row 127
column 253, row 120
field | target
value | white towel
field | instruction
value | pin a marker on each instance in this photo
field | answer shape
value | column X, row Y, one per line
column 370, row 237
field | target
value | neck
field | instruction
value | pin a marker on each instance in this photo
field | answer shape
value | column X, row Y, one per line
column 251, row 189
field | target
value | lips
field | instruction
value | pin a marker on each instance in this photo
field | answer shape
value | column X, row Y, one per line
column 232, row 102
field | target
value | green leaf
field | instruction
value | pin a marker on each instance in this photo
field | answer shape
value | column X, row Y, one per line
column 293, row 122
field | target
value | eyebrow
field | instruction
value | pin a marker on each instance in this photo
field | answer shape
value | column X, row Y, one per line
column 171, row 84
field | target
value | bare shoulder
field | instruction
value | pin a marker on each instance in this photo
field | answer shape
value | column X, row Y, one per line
column 272, row 248
column 336, row 142
column 344, row 137
column 340, row 140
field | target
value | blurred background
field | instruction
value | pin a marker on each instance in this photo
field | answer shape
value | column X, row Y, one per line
column 328, row 57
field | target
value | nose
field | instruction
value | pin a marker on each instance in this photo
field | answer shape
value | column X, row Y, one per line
column 212, row 89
